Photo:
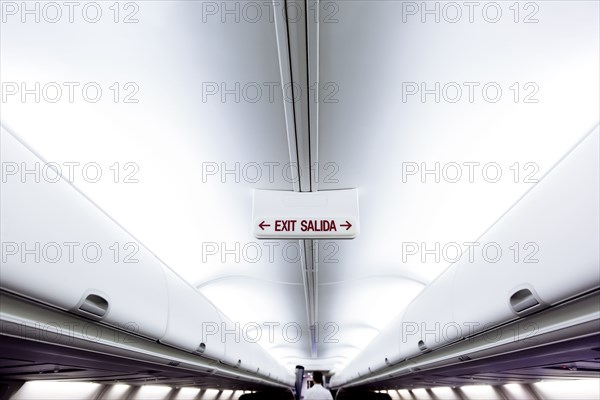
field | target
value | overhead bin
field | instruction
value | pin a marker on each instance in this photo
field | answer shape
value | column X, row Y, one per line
column 246, row 354
column 542, row 251
column 240, row 351
column 194, row 323
column 236, row 354
column 428, row 321
column 383, row 350
column 62, row 250
column 550, row 243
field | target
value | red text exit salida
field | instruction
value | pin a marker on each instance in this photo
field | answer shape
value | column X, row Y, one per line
column 305, row 225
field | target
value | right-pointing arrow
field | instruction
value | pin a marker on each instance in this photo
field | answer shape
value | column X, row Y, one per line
column 348, row 225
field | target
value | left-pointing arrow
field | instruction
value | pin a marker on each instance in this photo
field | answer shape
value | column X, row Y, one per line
column 262, row 225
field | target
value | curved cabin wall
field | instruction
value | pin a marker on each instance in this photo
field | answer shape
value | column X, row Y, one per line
column 550, row 242
column 43, row 221
column 138, row 294
column 555, row 229
column 249, row 356
column 191, row 319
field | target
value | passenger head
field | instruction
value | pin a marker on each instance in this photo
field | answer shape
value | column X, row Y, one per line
column 318, row 377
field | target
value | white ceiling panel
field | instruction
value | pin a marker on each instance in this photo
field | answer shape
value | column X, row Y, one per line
column 188, row 157
column 377, row 54
column 198, row 136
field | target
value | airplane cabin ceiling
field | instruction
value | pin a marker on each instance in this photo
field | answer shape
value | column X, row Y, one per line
column 192, row 208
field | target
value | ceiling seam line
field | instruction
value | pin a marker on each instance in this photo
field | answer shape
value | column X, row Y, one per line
column 287, row 27
column 306, row 37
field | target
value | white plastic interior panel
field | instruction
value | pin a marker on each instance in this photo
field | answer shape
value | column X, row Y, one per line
column 206, row 135
column 199, row 155
column 138, row 293
column 567, row 266
column 577, row 318
column 17, row 313
column 428, row 321
column 384, row 350
column 550, row 246
column 194, row 323
column 61, row 249
column 377, row 130
column 248, row 301
column 243, row 352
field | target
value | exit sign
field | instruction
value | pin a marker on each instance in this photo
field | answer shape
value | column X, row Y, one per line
column 305, row 215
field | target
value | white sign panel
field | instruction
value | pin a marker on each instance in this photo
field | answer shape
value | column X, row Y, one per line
column 305, row 215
